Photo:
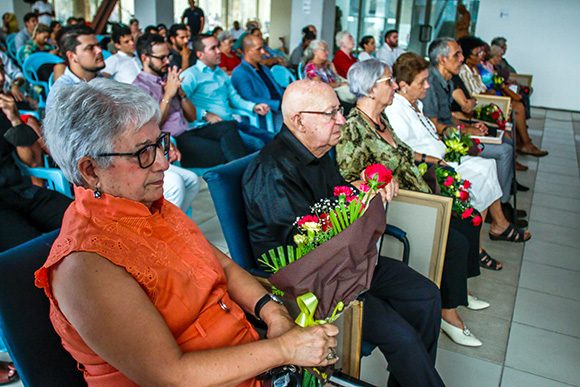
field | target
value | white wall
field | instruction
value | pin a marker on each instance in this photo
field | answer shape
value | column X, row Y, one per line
column 542, row 40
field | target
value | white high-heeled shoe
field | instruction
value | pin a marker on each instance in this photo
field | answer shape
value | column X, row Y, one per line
column 460, row 336
column 475, row 303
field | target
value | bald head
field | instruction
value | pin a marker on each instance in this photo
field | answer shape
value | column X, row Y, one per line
column 306, row 95
column 250, row 41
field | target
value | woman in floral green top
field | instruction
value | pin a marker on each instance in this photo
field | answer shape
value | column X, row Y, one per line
column 368, row 138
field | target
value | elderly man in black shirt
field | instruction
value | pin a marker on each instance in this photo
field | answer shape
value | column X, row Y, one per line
column 402, row 308
column 26, row 210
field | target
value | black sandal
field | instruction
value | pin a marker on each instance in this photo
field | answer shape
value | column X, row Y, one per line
column 487, row 262
column 511, row 234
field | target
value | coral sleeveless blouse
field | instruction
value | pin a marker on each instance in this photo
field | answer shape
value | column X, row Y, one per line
column 166, row 253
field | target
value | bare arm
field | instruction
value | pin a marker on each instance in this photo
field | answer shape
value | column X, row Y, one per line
column 139, row 343
column 189, row 110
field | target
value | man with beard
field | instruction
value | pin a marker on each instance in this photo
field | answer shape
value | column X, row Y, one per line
column 180, row 52
column 83, row 56
column 203, row 147
column 390, row 51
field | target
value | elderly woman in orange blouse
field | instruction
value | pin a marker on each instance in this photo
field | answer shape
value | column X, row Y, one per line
column 137, row 294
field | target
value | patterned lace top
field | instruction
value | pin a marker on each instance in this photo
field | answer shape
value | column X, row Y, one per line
column 165, row 252
column 361, row 145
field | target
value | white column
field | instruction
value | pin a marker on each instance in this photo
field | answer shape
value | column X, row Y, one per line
column 153, row 12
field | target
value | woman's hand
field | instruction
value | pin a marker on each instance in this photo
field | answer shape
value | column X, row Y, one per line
column 389, row 191
column 278, row 320
column 310, row 347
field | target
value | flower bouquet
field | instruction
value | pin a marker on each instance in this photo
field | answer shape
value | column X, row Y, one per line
column 490, row 113
column 459, row 144
column 335, row 254
column 452, row 185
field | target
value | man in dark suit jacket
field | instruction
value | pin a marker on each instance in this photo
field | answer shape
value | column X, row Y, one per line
column 254, row 81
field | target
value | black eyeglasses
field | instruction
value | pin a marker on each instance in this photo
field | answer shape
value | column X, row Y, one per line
column 161, row 58
column 331, row 115
column 146, row 155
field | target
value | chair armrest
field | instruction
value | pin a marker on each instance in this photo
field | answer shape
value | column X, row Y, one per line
column 255, row 118
column 54, row 176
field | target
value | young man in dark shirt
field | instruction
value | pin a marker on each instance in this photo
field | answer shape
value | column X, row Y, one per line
column 195, row 18
column 402, row 309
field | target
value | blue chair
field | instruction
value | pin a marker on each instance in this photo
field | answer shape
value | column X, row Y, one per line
column 20, row 56
column 30, row 70
column 11, row 46
column 225, row 186
column 254, row 119
column 106, row 54
column 32, row 343
column 54, row 177
column 300, row 71
column 282, row 75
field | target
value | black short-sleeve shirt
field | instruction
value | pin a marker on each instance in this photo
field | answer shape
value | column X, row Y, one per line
column 193, row 17
column 281, row 184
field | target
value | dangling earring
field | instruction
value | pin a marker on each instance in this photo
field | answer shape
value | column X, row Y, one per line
column 97, row 193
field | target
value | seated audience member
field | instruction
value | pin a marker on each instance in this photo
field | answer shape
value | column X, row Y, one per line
column 205, row 146
column 151, row 30
column 318, row 67
column 192, row 313
column 71, row 21
column 270, row 57
column 343, row 58
column 26, row 210
column 504, row 67
column 368, row 46
column 25, row 34
column 38, row 42
column 402, row 308
column 181, row 55
column 228, row 59
column 390, row 50
column 211, row 91
column 83, row 56
column 9, row 23
column 250, row 25
column 446, row 59
column 216, row 31
column 135, row 30
column 298, row 53
column 55, row 28
column 470, row 74
column 125, row 64
column 236, row 30
column 367, row 138
column 13, row 78
column 254, row 81
column 405, row 116
column 162, row 30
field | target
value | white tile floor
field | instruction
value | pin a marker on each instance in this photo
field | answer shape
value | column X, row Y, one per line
column 542, row 344
column 531, row 333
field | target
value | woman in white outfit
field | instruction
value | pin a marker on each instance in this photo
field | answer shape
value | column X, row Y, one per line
column 416, row 130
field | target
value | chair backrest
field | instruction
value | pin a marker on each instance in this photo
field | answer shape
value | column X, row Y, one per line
column 300, row 71
column 282, row 75
column 55, row 179
column 225, row 187
column 20, row 56
column 11, row 45
column 106, row 54
column 33, row 344
column 33, row 63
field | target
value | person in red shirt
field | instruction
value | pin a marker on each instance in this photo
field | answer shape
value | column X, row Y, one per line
column 343, row 58
column 229, row 59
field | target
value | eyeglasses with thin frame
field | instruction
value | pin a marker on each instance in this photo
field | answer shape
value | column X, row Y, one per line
column 331, row 115
column 391, row 80
column 147, row 155
column 161, row 58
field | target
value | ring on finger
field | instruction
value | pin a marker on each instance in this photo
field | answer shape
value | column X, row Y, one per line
column 331, row 354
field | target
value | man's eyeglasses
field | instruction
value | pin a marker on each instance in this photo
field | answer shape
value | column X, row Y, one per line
column 161, row 58
column 331, row 115
column 146, row 155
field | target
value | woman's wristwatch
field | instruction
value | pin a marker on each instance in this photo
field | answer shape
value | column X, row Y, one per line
column 263, row 301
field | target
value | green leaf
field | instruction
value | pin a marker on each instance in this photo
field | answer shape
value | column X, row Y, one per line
column 281, row 255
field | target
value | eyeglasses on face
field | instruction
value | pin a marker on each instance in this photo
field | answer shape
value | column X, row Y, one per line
column 331, row 115
column 162, row 58
column 391, row 80
column 147, row 155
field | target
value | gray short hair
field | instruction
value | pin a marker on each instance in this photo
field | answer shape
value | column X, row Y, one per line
column 439, row 47
column 339, row 36
column 499, row 41
column 362, row 76
column 84, row 119
column 314, row 45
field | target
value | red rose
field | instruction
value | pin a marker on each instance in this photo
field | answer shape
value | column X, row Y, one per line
column 463, row 195
column 495, row 115
column 307, row 219
column 476, row 141
column 467, row 213
column 466, row 184
column 476, row 221
column 449, row 181
column 379, row 173
column 342, row 190
column 325, row 221
column 364, row 187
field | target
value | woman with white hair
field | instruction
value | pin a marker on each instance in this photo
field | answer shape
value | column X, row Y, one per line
column 343, row 58
column 368, row 138
column 137, row 294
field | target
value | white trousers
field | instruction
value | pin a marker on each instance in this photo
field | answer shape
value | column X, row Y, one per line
column 482, row 173
column 180, row 186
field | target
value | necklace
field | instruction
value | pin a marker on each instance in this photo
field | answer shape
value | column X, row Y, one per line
column 377, row 126
column 427, row 124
